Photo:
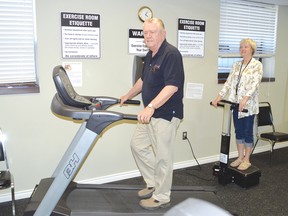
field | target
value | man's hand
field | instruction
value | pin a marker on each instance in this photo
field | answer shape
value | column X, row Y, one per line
column 145, row 115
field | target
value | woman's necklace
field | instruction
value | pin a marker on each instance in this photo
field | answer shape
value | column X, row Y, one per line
column 240, row 74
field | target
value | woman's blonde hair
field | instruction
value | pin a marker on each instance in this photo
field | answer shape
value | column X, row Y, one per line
column 251, row 42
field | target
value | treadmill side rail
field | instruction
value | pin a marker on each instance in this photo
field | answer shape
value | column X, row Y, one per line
column 66, row 171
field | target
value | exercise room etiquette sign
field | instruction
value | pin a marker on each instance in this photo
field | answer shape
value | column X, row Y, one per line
column 80, row 35
column 191, row 37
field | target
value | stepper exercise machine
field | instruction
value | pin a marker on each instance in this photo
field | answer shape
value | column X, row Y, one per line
column 59, row 195
column 225, row 173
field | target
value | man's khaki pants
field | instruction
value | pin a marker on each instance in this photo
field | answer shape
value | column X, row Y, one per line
column 152, row 146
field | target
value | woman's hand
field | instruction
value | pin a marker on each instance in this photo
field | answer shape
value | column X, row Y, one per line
column 216, row 101
column 242, row 103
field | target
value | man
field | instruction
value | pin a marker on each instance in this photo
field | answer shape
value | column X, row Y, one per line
column 161, row 85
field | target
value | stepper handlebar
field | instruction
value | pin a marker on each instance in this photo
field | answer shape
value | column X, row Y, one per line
column 222, row 102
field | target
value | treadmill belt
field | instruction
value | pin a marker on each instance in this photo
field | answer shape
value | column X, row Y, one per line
column 104, row 202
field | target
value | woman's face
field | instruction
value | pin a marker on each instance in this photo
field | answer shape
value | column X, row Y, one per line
column 246, row 50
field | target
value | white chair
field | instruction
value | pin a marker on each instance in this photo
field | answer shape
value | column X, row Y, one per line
column 6, row 177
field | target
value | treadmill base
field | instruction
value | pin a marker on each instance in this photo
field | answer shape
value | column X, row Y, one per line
column 112, row 199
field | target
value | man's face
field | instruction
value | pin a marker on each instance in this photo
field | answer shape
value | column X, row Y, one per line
column 153, row 36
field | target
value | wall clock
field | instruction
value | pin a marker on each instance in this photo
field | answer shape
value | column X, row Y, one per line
column 145, row 13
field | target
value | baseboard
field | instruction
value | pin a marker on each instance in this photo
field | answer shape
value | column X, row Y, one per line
column 18, row 195
column 135, row 173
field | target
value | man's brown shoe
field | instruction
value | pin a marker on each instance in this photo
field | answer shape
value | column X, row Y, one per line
column 146, row 192
column 152, row 204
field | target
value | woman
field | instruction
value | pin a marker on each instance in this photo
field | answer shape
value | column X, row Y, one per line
column 242, row 87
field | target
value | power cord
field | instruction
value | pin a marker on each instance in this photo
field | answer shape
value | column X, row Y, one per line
column 199, row 166
column 193, row 153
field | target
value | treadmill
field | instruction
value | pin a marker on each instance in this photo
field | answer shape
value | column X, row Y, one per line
column 59, row 195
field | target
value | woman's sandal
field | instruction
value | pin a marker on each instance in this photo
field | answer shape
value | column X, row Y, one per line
column 244, row 165
column 236, row 163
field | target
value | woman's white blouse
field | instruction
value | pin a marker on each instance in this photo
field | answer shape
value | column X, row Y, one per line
column 250, row 78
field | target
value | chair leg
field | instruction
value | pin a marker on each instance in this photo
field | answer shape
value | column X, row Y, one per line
column 254, row 146
column 271, row 154
column 13, row 202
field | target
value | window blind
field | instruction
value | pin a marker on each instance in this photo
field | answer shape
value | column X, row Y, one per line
column 247, row 19
column 17, row 42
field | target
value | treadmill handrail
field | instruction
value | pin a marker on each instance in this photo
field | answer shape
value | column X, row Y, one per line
column 106, row 101
column 58, row 107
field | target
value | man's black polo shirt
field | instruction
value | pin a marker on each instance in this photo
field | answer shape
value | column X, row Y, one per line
column 165, row 68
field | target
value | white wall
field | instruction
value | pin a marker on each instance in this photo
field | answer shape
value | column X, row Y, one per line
column 37, row 138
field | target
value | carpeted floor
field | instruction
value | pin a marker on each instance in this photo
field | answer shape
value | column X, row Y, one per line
column 270, row 197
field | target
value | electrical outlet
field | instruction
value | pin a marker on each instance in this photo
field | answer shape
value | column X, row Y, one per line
column 184, row 135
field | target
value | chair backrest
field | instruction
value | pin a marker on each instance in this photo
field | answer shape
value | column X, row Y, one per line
column 66, row 91
column 264, row 117
column 2, row 156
